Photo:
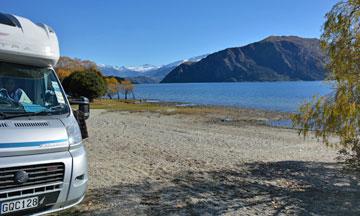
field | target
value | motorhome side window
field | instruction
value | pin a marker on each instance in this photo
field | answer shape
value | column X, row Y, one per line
column 27, row 89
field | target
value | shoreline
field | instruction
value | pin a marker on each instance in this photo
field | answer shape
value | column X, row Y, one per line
column 223, row 114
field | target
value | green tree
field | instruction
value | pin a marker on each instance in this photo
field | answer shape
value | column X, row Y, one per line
column 338, row 114
column 90, row 84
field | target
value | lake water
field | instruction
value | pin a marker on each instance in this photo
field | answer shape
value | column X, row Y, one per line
column 275, row 96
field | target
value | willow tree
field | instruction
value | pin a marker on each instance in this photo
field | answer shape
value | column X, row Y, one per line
column 112, row 86
column 126, row 87
column 338, row 115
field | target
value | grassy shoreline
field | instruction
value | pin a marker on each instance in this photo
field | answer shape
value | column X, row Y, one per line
column 221, row 114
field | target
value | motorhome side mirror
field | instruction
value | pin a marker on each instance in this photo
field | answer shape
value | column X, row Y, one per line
column 84, row 105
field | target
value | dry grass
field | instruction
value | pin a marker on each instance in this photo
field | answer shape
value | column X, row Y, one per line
column 124, row 105
column 174, row 108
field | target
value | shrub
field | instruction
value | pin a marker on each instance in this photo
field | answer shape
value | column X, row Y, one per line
column 90, row 84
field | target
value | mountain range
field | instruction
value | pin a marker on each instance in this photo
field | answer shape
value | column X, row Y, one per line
column 145, row 73
column 276, row 58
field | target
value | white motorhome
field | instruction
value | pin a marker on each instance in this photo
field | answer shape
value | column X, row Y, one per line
column 43, row 163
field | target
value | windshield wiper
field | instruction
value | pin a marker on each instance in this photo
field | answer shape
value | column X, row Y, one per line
column 10, row 116
column 56, row 108
column 49, row 111
column 9, row 101
column 2, row 115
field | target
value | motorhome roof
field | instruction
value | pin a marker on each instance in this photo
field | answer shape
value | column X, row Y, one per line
column 24, row 42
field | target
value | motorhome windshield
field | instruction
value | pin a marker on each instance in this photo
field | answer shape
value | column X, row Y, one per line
column 28, row 90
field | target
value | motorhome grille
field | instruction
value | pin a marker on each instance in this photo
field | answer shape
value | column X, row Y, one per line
column 31, row 124
column 3, row 124
column 38, row 175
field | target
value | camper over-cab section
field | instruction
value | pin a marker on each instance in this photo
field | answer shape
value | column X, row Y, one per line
column 24, row 42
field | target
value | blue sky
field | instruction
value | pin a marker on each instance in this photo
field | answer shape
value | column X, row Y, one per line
column 134, row 32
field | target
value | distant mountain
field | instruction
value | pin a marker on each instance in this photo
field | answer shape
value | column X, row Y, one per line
column 275, row 58
column 161, row 72
column 142, row 80
column 123, row 71
column 140, row 73
column 143, row 68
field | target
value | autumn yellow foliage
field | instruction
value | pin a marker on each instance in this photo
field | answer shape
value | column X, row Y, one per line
column 338, row 114
column 67, row 66
column 112, row 86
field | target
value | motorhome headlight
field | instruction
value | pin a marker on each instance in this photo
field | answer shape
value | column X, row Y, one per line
column 74, row 132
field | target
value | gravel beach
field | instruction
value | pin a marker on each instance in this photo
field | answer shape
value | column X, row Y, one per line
column 143, row 163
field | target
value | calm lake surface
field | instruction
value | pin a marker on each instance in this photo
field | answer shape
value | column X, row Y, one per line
column 275, row 96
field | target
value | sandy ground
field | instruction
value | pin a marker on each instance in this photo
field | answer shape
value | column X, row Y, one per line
column 156, row 164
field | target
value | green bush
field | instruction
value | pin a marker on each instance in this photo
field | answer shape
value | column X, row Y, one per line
column 90, row 84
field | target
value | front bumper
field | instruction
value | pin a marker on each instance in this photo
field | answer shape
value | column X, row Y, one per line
column 74, row 185
column 60, row 209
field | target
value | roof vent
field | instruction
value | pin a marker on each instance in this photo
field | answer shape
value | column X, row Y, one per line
column 31, row 124
column 10, row 20
column 3, row 124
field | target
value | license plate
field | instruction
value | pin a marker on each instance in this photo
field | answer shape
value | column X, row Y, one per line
column 18, row 205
